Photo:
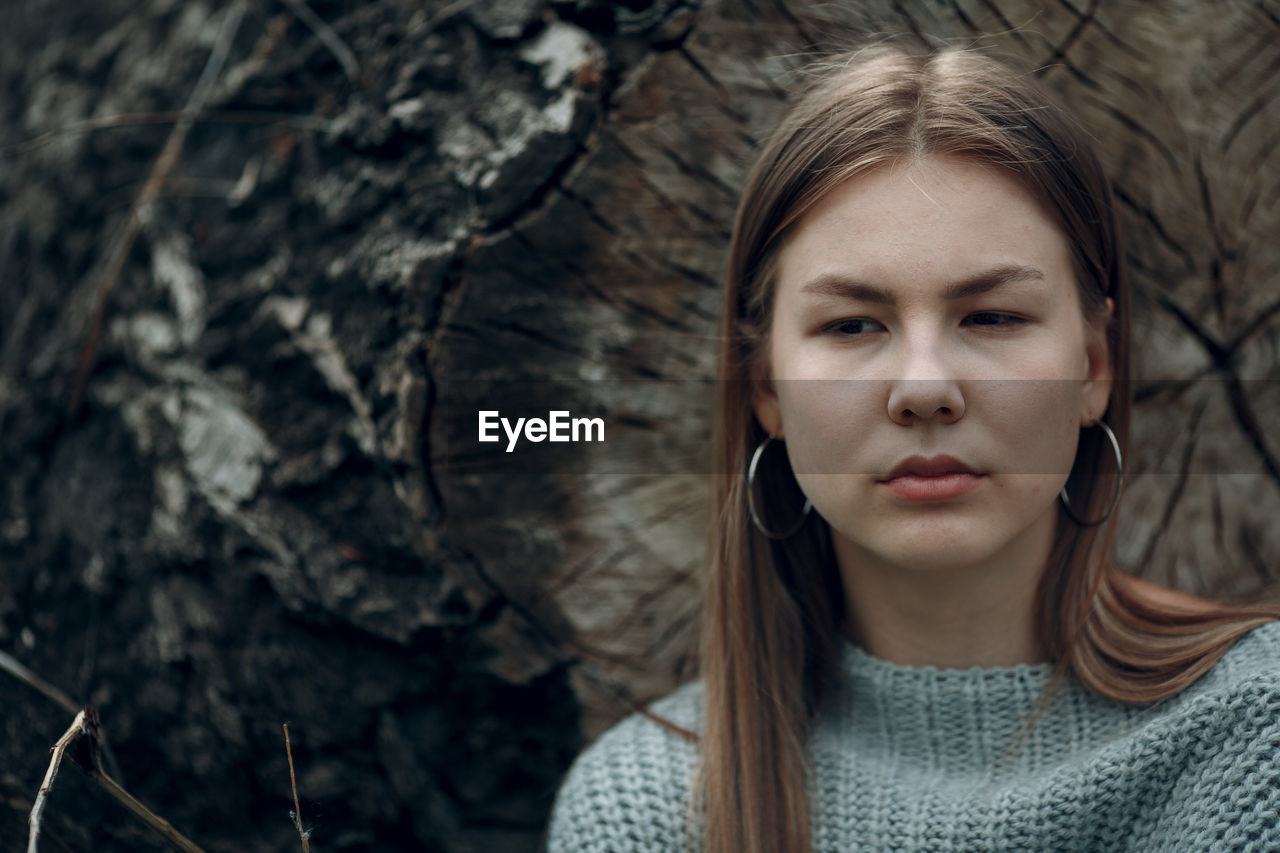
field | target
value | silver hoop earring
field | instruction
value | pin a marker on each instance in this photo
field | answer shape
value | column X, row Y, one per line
column 751, row 499
column 1115, row 447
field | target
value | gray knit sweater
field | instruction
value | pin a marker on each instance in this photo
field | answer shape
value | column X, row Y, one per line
column 906, row 758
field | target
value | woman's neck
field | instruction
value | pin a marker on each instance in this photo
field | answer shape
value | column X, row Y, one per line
column 954, row 615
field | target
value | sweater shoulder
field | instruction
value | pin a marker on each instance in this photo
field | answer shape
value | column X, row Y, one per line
column 1252, row 661
column 629, row 789
column 1240, row 693
column 1224, row 741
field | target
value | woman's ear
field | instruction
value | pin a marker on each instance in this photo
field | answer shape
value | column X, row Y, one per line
column 764, row 401
column 1099, row 378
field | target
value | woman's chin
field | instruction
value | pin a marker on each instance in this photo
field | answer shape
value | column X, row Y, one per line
column 936, row 547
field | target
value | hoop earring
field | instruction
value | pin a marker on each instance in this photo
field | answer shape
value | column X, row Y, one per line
column 1115, row 447
column 751, row 499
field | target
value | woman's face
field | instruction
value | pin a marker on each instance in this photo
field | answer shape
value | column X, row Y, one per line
column 925, row 309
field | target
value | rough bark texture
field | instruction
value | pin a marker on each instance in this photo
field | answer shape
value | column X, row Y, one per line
column 243, row 514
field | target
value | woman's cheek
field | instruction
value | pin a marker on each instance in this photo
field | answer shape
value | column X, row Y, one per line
column 824, row 425
column 1034, row 420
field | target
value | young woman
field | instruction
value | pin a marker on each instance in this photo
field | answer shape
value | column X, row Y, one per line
column 914, row 638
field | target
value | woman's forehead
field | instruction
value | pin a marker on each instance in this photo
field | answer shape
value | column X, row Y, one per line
column 936, row 217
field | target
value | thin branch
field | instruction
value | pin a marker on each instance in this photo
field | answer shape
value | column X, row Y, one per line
column 327, row 37
column 37, row 809
column 144, row 814
column 448, row 12
column 86, row 724
column 155, row 180
column 11, row 665
column 14, row 667
column 297, row 809
column 295, row 120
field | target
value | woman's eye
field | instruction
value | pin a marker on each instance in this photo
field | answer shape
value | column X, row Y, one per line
column 996, row 318
column 853, row 327
column 858, row 326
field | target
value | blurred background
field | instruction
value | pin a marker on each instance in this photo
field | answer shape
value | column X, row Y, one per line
column 259, row 260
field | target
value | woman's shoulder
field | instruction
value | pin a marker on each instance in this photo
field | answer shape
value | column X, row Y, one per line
column 1252, row 657
column 1238, row 697
column 1261, row 645
column 678, row 718
column 1253, row 660
column 628, row 790
column 1223, row 736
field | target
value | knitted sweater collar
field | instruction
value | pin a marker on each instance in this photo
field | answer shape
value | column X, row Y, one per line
column 959, row 722
column 895, row 683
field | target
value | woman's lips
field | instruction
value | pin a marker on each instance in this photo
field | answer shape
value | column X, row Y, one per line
column 912, row 487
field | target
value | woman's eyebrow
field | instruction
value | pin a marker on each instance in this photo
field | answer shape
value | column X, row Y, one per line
column 842, row 287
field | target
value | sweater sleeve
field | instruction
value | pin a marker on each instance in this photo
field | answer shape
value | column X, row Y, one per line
column 1230, row 799
column 626, row 793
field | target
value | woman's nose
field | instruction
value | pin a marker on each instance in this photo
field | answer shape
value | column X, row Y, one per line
column 924, row 387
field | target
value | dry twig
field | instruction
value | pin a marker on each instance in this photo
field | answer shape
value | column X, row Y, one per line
column 86, row 724
column 448, row 12
column 330, row 39
column 296, row 121
column 13, row 666
column 37, row 809
column 144, row 814
column 297, row 809
column 164, row 163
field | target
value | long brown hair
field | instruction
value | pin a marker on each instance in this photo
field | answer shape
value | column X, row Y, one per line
column 773, row 609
